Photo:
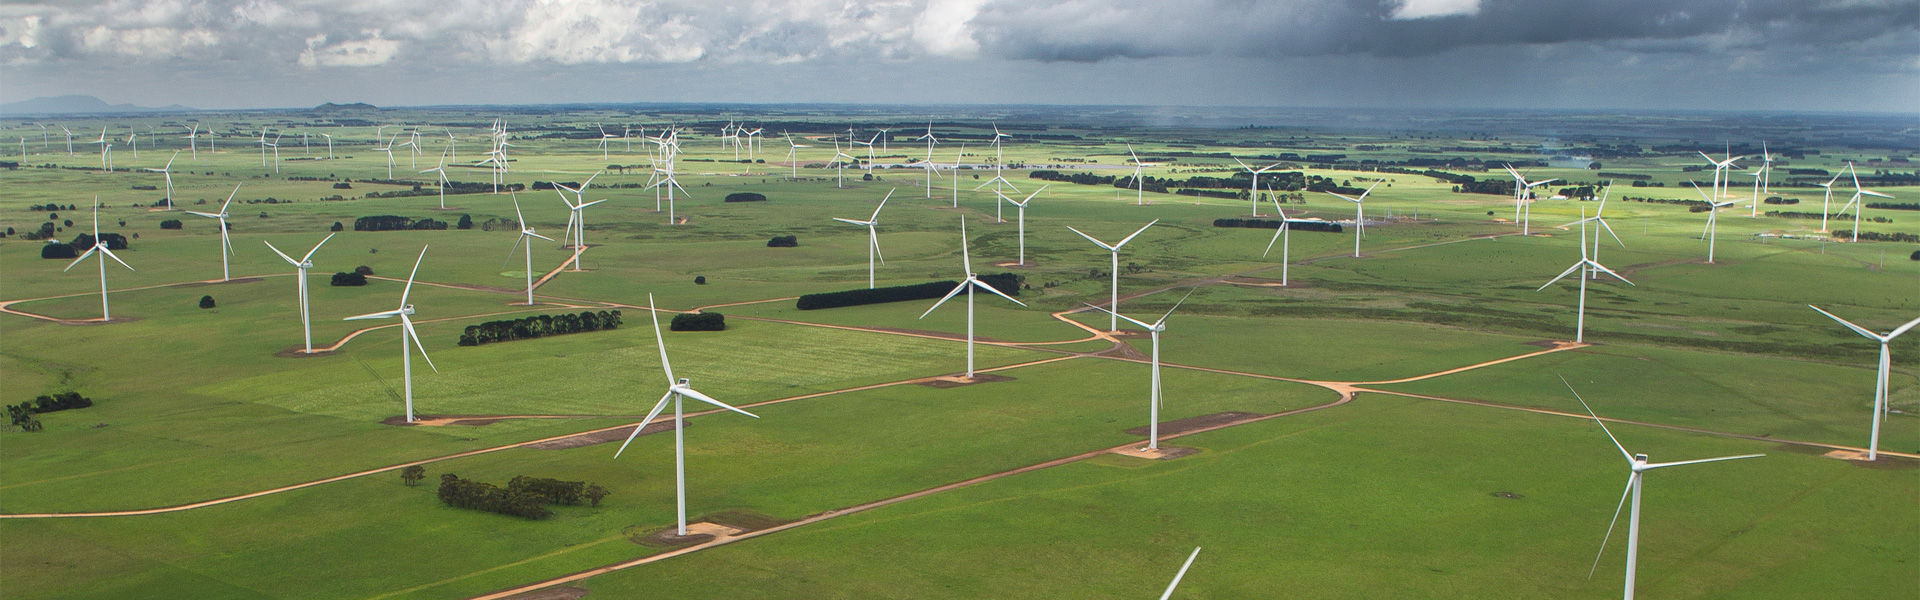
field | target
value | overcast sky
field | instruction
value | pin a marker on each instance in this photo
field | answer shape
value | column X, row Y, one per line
column 1839, row 55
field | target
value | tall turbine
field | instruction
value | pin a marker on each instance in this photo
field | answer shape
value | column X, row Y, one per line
column 1521, row 190
column 1827, row 201
column 1284, row 236
column 442, row 171
column 300, row 271
column 793, row 158
column 193, row 141
column 873, row 236
column 1114, row 301
column 1712, row 230
column 972, row 281
column 1359, row 216
column 1635, row 481
column 1857, row 202
column 1880, row 387
column 1023, row 219
column 407, row 334
column 527, row 232
column 1584, row 266
column 1154, row 397
column 676, row 390
column 168, row 171
column 226, row 245
column 100, row 246
column 1253, row 190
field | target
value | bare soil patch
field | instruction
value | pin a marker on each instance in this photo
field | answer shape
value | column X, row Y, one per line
column 1883, row 462
column 959, row 381
column 301, row 352
column 707, row 528
column 558, row 593
column 1125, row 351
column 1162, row 453
column 601, row 437
column 1196, row 423
column 469, row 420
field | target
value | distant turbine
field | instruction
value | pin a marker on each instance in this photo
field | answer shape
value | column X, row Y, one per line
column 1712, row 231
column 1585, row 265
column 1114, row 303
column 407, row 333
column 793, row 158
column 1359, row 215
column 193, row 143
column 168, row 171
column 442, row 171
column 226, row 245
column 1827, row 201
column 526, row 232
column 1154, row 397
column 1857, row 202
column 100, row 246
column 1880, row 383
column 1285, row 237
column 1253, row 190
column 676, row 390
column 300, row 267
column 972, row 281
column 1635, row 481
column 873, row 236
column 1521, row 190
column 1023, row 219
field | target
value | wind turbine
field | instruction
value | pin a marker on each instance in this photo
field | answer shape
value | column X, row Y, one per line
column 972, row 281
column 1182, row 574
column 676, row 390
column 193, row 141
column 1712, row 231
column 226, row 246
column 1601, row 223
column 133, row 142
column 1756, row 174
column 100, row 245
column 1856, row 202
column 1880, row 388
column 106, row 149
column 1253, row 190
column 1719, row 169
column 1827, row 201
column 276, row 152
column 453, row 144
column 577, row 224
column 1521, row 190
column 1154, row 397
column 442, row 171
column 407, row 333
column 873, row 236
column 793, row 162
column 1023, row 219
column 839, row 166
column 1766, row 168
column 931, row 168
column 527, row 232
column 668, row 181
column 1585, row 265
column 1285, row 237
column 329, row 137
column 69, row 133
column 263, row 147
column 1114, row 305
column 882, row 136
column 168, row 171
column 606, row 140
column 962, row 153
column 1359, row 216
column 302, row 265
column 389, row 151
column 1635, row 481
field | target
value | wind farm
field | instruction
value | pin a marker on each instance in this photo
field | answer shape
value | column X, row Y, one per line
column 717, row 370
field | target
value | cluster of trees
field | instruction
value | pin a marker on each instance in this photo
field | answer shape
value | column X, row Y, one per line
column 1585, row 192
column 348, row 280
column 1779, row 200
column 500, row 225
column 23, row 413
column 1078, row 177
column 555, row 491
column 700, row 321
column 1639, row 183
column 453, row 187
column 1789, row 214
column 1007, row 283
column 539, row 326
column 746, row 197
column 479, row 495
column 1877, row 236
column 171, row 224
column 783, row 241
column 1231, row 195
column 1632, row 176
column 1497, row 187
column 1690, row 204
column 50, row 207
column 396, row 223
column 1894, row 205
column 81, row 244
column 206, row 302
column 1326, row 226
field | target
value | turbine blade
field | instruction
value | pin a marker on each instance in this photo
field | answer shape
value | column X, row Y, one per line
column 1129, row 238
column 665, row 365
column 316, row 247
column 996, row 291
column 416, row 271
column 407, row 324
column 1695, row 462
column 695, row 394
column 1604, row 269
column 1856, row 328
column 379, row 315
column 1596, row 420
column 236, row 191
column 1182, row 574
column 283, row 255
column 1563, row 274
column 657, row 407
column 944, row 299
column 1090, row 239
column 883, row 204
column 540, row 236
column 89, row 252
column 1127, row 318
column 851, row 221
column 1610, row 525
column 1176, row 306
column 1903, row 329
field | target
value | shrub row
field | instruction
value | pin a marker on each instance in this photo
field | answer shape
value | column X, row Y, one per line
column 539, row 326
column 477, row 495
column 555, row 491
column 81, row 244
column 1326, row 226
column 1894, row 205
column 703, row 321
column 1877, row 236
column 746, row 197
column 783, row 241
column 23, row 413
column 1788, row 214
column 1007, row 283
column 1779, row 200
column 395, row 223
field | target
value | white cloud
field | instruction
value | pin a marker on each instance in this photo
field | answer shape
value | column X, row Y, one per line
column 145, row 42
column 1429, row 9
column 367, row 52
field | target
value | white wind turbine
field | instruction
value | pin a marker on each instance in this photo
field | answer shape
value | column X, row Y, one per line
column 193, row 140
column 276, row 152
column 263, row 146
column 1754, row 208
column 873, row 236
column 527, row 232
column 329, row 137
column 882, row 137
column 106, row 150
column 840, row 165
column 962, row 153
column 306, row 144
column 1635, row 482
column 1022, row 217
column 1521, row 190
column 1154, row 398
column 1720, row 168
column 69, row 133
column 931, row 168
column 1181, row 575
column 100, row 246
column 1880, row 383
column 606, row 141
column 301, row 266
column 1601, row 223
column 226, row 245
column 670, row 183
column 1285, row 237
column 453, row 144
column 133, row 138
column 1766, row 168
column 1857, row 202
column 577, row 222
column 1253, row 190
column 793, row 158
column 168, row 171
column 1114, row 301
column 389, row 150
column 1827, row 201
column 677, row 389
column 1712, row 230
column 1359, row 216
column 407, row 333
column 972, row 281
column 442, row 171
column 1586, row 265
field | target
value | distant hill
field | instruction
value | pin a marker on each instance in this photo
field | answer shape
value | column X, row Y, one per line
column 60, row 105
column 331, row 107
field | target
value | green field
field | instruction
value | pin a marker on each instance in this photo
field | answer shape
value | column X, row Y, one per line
column 1383, row 496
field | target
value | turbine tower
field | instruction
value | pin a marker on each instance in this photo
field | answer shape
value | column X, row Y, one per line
column 407, row 333
column 527, row 232
column 1584, row 266
column 1880, row 387
column 1359, row 216
column 1154, row 397
column 100, row 246
column 873, row 236
column 226, row 245
column 972, row 281
column 1113, row 324
column 1023, row 219
column 300, row 271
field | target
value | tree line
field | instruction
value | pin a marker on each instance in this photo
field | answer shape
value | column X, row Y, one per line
column 1877, row 236
column 1007, row 283
column 82, row 243
column 23, row 413
column 539, row 326
column 396, row 223
column 1323, row 226
column 700, row 321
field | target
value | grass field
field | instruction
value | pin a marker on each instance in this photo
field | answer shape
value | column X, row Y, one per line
column 1385, row 496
